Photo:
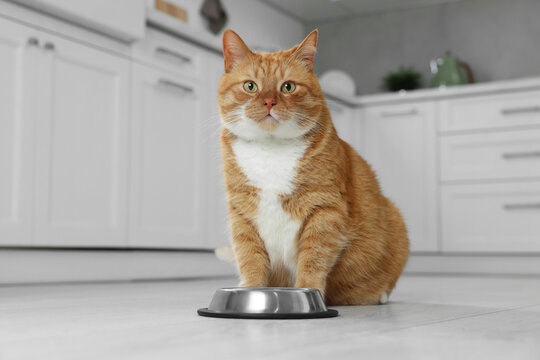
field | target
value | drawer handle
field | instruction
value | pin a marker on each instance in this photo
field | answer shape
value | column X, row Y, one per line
column 179, row 56
column 520, row 110
column 169, row 83
column 49, row 46
column 399, row 113
column 519, row 155
column 532, row 206
column 33, row 41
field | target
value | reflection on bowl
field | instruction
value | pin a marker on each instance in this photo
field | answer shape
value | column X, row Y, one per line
column 267, row 303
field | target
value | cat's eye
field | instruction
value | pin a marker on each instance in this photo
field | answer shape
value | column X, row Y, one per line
column 288, row 87
column 250, row 86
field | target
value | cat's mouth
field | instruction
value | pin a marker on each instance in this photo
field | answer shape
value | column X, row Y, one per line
column 268, row 123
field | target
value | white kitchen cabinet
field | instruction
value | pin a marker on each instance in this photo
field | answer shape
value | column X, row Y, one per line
column 491, row 217
column 18, row 55
column 399, row 142
column 124, row 19
column 168, row 187
column 502, row 155
column 64, row 131
column 490, row 112
column 216, row 202
column 169, row 53
column 81, row 143
column 347, row 126
column 490, row 167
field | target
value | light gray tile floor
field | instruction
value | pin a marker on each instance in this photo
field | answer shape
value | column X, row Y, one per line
column 428, row 317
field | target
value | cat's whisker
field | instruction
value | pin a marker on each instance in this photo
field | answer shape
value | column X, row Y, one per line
column 210, row 126
column 211, row 117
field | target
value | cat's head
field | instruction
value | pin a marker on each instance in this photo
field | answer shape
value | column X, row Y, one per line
column 269, row 95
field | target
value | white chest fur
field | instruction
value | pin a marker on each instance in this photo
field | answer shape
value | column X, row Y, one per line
column 271, row 167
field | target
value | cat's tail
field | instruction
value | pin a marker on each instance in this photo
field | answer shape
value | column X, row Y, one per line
column 226, row 253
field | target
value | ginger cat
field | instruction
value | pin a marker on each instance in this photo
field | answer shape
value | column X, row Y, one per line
column 305, row 210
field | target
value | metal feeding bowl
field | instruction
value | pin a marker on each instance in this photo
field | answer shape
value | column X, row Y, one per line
column 267, row 303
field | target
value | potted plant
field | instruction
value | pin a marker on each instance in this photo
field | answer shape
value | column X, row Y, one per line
column 404, row 78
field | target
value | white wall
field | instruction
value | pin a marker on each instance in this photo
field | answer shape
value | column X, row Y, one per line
column 498, row 38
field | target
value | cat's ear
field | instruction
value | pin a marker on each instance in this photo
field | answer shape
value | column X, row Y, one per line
column 306, row 50
column 234, row 49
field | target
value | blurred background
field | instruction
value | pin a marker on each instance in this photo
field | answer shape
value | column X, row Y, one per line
column 109, row 158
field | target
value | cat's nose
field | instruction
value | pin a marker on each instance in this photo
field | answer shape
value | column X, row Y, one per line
column 269, row 102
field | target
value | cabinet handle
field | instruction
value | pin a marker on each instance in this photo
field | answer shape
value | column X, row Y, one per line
column 169, row 83
column 519, row 155
column 399, row 113
column 519, row 110
column 33, row 41
column 166, row 51
column 532, row 206
column 49, row 46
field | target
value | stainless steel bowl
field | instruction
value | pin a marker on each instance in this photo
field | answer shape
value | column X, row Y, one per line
column 267, row 303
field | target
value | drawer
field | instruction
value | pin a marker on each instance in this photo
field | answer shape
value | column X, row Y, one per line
column 491, row 112
column 169, row 53
column 498, row 155
column 491, row 218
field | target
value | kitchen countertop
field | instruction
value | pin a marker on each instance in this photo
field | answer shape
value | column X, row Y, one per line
column 428, row 317
column 485, row 88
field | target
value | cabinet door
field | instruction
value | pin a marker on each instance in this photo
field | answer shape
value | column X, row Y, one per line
column 18, row 54
column 400, row 145
column 216, row 204
column 167, row 186
column 495, row 217
column 82, row 132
